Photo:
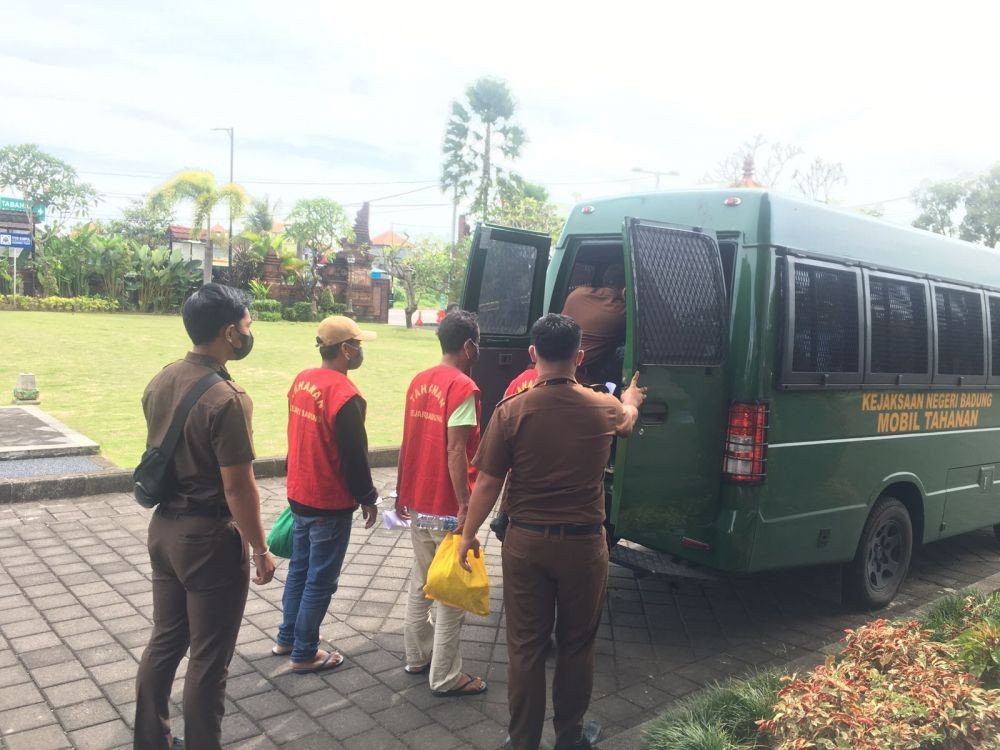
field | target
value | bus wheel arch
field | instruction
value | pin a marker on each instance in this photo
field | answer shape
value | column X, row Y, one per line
column 873, row 578
column 909, row 495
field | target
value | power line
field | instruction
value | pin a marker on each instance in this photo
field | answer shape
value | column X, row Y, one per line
column 267, row 181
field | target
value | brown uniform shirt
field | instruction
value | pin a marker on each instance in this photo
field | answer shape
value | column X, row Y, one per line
column 601, row 315
column 555, row 440
column 217, row 432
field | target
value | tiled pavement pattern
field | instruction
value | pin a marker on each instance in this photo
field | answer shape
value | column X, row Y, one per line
column 75, row 604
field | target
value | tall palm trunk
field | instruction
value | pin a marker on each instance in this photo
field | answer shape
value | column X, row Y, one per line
column 484, row 194
column 206, row 271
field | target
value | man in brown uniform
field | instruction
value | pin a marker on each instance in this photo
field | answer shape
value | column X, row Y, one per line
column 198, row 538
column 555, row 439
column 600, row 311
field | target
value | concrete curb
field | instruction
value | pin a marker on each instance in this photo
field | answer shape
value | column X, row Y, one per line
column 120, row 480
column 634, row 738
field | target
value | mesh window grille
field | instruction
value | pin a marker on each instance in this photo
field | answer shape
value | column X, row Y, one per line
column 960, row 332
column 826, row 320
column 680, row 297
column 898, row 326
column 505, row 296
column 995, row 332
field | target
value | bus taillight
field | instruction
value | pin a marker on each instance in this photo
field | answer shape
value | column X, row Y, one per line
column 745, row 455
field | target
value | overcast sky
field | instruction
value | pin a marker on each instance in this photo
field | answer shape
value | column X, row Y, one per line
column 358, row 94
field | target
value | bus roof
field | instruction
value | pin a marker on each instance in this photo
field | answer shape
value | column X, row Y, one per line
column 769, row 218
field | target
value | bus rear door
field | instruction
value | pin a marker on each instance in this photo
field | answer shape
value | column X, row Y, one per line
column 505, row 286
column 667, row 474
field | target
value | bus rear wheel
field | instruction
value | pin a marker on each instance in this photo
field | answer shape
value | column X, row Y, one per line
column 873, row 577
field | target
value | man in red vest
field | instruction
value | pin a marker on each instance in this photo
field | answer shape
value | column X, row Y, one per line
column 522, row 382
column 440, row 437
column 328, row 478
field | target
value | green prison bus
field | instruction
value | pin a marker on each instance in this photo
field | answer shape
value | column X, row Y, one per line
column 821, row 383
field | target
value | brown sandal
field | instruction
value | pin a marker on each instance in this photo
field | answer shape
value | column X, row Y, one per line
column 462, row 688
column 333, row 660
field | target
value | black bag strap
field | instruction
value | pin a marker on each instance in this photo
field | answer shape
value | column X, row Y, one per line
column 169, row 444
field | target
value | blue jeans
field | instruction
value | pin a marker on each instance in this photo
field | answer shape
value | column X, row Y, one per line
column 319, row 544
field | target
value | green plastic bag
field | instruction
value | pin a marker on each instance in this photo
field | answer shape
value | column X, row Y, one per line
column 279, row 538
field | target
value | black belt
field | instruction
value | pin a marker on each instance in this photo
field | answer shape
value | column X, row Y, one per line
column 559, row 528
column 208, row 510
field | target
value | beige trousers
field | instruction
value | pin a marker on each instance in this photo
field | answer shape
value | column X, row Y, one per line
column 437, row 641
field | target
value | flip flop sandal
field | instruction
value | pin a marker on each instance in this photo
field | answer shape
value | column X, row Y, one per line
column 324, row 666
column 422, row 669
column 460, row 690
column 281, row 650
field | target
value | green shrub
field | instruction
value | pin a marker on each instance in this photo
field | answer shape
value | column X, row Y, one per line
column 265, row 305
column 724, row 716
column 970, row 621
column 59, row 304
column 891, row 688
column 267, row 315
column 287, row 313
column 303, row 312
column 326, row 300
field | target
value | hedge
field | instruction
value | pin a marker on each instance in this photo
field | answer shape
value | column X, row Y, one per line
column 58, row 304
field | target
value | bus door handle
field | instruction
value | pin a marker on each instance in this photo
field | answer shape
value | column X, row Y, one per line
column 653, row 412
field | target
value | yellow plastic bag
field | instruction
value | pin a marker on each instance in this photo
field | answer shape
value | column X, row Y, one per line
column 449, row 583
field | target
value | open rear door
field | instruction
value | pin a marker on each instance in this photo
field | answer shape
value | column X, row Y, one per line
column 505, row 286
column 667, row 474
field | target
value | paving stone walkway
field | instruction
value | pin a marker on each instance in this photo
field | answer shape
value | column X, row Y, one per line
column 75, row 607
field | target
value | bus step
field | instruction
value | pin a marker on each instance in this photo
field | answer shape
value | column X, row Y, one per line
column 646, row 561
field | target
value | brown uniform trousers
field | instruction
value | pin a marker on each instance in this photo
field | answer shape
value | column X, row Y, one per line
column 201, row 573
column 544, row 572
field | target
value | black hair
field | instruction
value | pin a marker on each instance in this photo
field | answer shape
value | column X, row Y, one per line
column 210, row 309
column 614, row 277
column 556, row 337
column 455, row 329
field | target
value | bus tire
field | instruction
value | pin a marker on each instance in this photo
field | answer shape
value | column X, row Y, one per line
column 873, row 577
column 996, row 531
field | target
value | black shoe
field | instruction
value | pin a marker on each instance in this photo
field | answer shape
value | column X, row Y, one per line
column 588, row 738
column 178, row 744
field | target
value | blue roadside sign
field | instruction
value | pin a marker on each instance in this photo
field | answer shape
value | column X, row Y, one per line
column 15, row 239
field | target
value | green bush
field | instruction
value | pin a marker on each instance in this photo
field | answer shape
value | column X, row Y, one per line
column 326, row 300
column 266, row 305
column 288, row 313
column 303, row 312
column 267, row 315
column 59, row 304
column 724, row 716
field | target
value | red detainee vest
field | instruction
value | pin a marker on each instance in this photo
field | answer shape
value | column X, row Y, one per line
column 315, row 475
column 433, row 395
column 522, row 382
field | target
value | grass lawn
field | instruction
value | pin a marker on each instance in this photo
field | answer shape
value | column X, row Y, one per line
column 92, row 369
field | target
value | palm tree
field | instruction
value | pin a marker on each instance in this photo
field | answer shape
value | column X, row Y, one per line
column 479, row 133
column 199, row 186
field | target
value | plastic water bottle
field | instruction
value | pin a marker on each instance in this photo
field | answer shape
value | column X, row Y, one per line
column 435, row 523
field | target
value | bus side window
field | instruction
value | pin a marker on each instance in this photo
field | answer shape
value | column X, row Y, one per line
column 961, row 341
column 823, row 312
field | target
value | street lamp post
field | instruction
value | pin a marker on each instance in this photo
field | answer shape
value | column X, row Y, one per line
column 230, row 131
column 656, row 174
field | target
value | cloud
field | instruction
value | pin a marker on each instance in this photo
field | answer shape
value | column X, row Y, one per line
column 321, row 92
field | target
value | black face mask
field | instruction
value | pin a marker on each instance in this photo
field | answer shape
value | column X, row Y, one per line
column 246, row 345
column 355, row 362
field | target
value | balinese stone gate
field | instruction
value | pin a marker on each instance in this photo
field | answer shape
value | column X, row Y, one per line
column 348, row 276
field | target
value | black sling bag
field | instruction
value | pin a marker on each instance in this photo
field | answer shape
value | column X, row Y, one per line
column 155, row 477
